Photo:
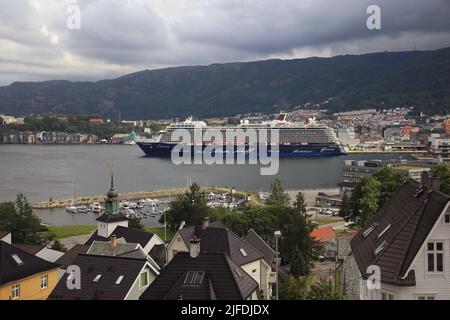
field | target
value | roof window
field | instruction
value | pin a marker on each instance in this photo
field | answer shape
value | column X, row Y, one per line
column 17, row 259
column 384, row 230
column 119, row 280
column 97, row 278
column 380, row 248
column 243, row 252
column 369, row 230
column 194, row 278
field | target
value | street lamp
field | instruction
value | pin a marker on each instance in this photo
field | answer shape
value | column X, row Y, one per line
column 277, row 235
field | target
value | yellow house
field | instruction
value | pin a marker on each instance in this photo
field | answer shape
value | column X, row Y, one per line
column 24, row 276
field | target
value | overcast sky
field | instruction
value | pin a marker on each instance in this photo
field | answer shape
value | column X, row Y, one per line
column 123, row 36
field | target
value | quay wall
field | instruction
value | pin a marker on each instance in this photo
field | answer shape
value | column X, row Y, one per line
column 128, row 196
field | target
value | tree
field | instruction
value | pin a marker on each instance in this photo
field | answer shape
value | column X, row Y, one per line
column 322, row 290
column 135, row 223
column 346, row 208
column 294, row 288
column 390, row 181
column 277, row 195
column 443, row 172
column 18, row 219
column 302, row 249
column 368, row 203
column 190, row 207
column 298, row 265
column 58, row 246
column 373, row 192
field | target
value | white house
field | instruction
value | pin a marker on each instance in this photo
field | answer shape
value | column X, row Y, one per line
column 215, row 237
column 409, row 241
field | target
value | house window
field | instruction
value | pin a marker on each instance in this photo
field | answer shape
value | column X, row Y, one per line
column 427, row 297
column 15, row 291
column 144, row 279
column 44, row 281
column 447, row 218
column 387, row 296
column 435, row 256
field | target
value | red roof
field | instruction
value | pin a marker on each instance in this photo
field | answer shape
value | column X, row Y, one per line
column 324, row 234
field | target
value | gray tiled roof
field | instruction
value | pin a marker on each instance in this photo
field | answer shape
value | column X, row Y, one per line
column 223, row 280
column 112, row 218
column 10, row 270
column 259, row 244
column 103, row 248
column 129, row 234
column 69, row 257
column 221, row 240
column 110, row 269
column 411, row 215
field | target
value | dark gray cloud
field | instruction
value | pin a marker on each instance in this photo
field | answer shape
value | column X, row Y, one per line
column 123, row 36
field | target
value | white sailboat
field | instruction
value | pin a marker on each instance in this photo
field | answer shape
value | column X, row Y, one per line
column 71, row 207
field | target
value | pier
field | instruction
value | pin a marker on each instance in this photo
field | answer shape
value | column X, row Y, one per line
column 128, row 196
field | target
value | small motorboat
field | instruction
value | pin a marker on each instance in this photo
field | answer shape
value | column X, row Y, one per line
column 71, row 209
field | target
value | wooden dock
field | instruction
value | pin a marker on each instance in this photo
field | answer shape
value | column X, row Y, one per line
column 128, row 196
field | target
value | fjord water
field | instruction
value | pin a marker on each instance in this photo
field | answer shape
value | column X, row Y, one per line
column 41, row 172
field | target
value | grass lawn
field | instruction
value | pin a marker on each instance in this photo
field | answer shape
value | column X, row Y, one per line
column 62, row 232
column 160, row 232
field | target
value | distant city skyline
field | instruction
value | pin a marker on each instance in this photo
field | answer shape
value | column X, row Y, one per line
column 121, row 37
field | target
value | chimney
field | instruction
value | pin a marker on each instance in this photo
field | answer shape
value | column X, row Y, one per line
column 431, row 180
column 435, row 182
column 205, row 223
column 194, row 247
column 113, row 241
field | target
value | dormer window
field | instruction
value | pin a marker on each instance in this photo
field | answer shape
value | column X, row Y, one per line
column 370, row 229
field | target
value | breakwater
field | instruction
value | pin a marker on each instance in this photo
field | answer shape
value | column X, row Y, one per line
column 127, row 196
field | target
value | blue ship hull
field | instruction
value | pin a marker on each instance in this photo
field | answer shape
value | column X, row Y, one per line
column 164, row 150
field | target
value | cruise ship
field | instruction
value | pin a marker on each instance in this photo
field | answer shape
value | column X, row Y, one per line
column 295, row 139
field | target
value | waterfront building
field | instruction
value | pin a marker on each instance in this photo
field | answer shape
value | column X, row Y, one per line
column 354, row 171
column 439, row 145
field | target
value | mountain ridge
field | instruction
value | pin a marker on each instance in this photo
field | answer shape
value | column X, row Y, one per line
column 413, row 78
